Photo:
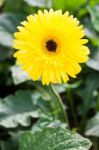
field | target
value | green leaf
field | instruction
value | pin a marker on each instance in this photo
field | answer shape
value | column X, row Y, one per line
column 94, row 12
column 53, row 139
column 8, row 23
column 92, row 128
column 18, row 75
column 67, row 4
column 39, row 3
column 18, row 109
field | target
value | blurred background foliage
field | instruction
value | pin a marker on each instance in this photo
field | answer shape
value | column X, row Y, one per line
column 26, row 105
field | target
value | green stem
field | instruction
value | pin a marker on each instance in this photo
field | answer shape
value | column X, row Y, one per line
column 60, row 103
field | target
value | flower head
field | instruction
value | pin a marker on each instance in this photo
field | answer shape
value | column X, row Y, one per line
column 51, row 46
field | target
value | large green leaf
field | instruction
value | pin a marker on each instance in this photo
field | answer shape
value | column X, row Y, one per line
column 8, row 23
column 94, row 12
column 53, row 139
column 18, row 109
column 92, row 128
column 39, row 3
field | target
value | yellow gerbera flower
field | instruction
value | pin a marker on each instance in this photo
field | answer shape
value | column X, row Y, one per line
column 50, row 46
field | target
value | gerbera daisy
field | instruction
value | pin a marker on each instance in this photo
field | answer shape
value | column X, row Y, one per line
column 50, row 46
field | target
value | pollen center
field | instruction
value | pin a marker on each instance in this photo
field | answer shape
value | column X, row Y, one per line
column 51, row 46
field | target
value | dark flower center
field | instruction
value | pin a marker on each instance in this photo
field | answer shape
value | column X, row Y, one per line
column 51, row 46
